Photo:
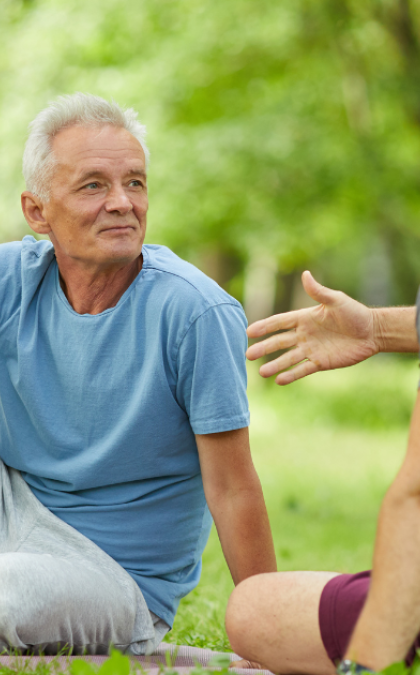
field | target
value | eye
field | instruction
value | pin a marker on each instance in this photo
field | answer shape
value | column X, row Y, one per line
column 136, row 183
column 92, row 186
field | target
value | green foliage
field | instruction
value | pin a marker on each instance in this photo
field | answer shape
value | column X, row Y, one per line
column 380, row 396
column 287, row 128
column 415, row 668
column 117, row 664
column 80, row 667
column 220, row 661
column 23, row 666
column 399, row 668
column 200, row 619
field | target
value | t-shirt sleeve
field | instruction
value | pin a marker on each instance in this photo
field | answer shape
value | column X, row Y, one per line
column 10, row 279
column 211, row 382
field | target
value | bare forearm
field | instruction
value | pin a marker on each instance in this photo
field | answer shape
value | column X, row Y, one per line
column 395, row 329
column 235, row 499
column 391, row 617
column 244, row 532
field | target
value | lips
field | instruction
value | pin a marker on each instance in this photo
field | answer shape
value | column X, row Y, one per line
column 117, row 228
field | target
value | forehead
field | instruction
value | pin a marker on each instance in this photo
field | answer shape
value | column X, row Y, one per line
column 78, row 148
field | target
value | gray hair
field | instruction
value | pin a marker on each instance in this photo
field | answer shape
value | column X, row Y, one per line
column 66, row 111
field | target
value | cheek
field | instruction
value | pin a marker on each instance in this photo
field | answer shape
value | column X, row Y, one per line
column 75, row 225
column 144, row 205
column 140, row 208
column 85, row 215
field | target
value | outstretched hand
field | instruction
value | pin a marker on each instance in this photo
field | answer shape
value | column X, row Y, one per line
column 338, row 332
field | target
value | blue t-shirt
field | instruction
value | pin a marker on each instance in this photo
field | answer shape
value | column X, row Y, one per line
column 99, row 412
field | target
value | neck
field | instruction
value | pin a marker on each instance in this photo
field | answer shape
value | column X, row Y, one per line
column 93, row 292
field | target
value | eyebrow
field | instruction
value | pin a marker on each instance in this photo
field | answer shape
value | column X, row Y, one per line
column 95, row 173
column 137, row 172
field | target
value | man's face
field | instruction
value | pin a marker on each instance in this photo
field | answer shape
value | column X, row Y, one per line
column 98, row 199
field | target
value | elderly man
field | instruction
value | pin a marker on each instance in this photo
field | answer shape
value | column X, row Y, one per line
column 123, row 411
column 307, row 622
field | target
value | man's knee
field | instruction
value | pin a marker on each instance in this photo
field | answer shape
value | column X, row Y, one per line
column 11, row 605
column 273, row 619
column 244, row 614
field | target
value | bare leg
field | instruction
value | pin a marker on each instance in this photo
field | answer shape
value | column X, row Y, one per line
column 272, row 619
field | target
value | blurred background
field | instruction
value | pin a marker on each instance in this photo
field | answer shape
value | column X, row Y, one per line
column 284, row 135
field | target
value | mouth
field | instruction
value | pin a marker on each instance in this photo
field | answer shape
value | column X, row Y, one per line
column 118, row 229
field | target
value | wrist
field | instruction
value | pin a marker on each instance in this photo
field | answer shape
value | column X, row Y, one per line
column 379, row 329
column 394, row 329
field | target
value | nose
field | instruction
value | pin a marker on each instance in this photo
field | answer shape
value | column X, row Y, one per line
column 117, row 200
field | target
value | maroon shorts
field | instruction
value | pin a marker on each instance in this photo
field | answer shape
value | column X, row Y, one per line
column 341, row 602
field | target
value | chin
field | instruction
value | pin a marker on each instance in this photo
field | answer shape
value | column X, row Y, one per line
column 121, row 252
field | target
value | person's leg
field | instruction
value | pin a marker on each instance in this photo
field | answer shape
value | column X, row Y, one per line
column 57, row 587
column 48, row 602
column 273, row 619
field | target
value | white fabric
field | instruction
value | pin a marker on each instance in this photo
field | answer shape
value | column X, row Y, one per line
column 58, row 588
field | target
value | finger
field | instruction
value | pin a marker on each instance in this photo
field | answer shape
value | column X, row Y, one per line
column 277, row 322
column 272, row 344
column 301, row 370
column 317, row 292
column 289, row 320
column 243, row 663
column 291, row 358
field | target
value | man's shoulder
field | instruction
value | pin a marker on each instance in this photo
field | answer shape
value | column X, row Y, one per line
column 190, row 282
column 22, row 267
column 10, row 255
column 14, row 254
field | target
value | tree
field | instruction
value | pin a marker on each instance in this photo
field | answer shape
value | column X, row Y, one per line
column 283, row 131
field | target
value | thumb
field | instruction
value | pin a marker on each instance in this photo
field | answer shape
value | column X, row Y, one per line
column 321, row 294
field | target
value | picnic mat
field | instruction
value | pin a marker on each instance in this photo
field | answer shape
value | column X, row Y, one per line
column 183, row 659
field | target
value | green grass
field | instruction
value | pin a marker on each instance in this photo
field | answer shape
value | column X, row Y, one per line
column 116, row 664
column 326, row 448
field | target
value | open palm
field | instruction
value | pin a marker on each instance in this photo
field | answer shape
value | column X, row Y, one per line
column 338, row 332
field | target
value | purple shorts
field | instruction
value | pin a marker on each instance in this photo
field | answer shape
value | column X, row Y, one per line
column 341, row 602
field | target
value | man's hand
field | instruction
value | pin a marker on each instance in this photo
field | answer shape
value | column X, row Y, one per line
column 337, row 333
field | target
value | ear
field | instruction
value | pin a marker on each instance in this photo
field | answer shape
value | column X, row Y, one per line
column 33, row 210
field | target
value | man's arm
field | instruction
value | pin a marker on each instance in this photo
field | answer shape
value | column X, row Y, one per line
column 235, row 499
column 337, row 333
column 390, row 619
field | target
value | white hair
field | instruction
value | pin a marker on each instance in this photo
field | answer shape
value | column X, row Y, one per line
column 75, row 109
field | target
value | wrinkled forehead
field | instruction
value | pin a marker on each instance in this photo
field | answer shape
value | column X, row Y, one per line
column 78, row 147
